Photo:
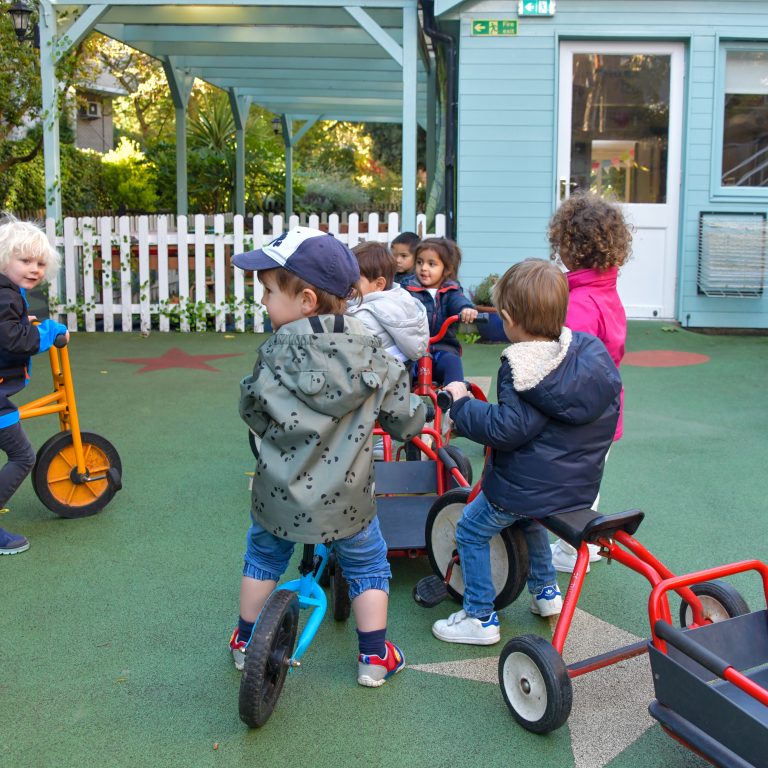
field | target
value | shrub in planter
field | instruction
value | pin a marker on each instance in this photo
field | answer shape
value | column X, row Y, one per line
column 493, row 328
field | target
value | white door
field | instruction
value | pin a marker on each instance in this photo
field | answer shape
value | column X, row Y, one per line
column 620, row 135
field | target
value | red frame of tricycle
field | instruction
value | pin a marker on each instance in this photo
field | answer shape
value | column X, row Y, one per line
column 639, row 559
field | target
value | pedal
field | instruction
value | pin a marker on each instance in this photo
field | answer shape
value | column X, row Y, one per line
column 430, row 591
column 114, row 479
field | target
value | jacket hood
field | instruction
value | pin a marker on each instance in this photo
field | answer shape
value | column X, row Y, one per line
column 331, row 373
column 570, row 379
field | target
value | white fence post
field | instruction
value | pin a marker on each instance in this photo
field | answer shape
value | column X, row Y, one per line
column 182, row 244
column 107, row 284
column 163, row 288
column 238, row 276
column 201, row 298
column 219, row 277
column 89, row 308
column 126, row 298
column 144, row 319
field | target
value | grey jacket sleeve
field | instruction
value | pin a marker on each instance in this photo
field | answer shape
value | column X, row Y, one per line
column 251, row 411
column 402, row 413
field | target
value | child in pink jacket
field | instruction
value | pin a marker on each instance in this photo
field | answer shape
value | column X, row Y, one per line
column 592, row 240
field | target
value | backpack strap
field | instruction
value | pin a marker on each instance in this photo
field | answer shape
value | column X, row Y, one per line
column 317, row 326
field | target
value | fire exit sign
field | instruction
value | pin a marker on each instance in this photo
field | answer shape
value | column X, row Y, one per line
column 536, row 8
column 494, row 27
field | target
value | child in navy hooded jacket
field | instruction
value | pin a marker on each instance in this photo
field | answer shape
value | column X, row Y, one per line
column 558, row 404
column 26, row 257
column 435, row 285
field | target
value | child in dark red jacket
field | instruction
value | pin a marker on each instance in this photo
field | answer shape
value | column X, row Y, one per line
column 26, row 257
column 435, row 285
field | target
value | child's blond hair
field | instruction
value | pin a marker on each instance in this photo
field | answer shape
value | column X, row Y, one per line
column 23, row 238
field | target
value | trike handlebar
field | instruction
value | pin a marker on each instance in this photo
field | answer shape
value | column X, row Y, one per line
column 445, row 398
column 482, row 317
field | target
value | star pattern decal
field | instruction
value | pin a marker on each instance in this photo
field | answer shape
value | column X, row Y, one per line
column 173, row 358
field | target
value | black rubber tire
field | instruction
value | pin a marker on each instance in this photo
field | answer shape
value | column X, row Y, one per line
column 719, row 600
column 462, row 462
column 509, row 552
column 51, row 475
column 267, row 657
column 535, row 684
column 339, row 589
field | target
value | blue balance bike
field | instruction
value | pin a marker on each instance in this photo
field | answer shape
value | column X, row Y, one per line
column 272, row 649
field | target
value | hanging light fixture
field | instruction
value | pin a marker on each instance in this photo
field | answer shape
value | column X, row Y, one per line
column 277, row 126
column 21, row 15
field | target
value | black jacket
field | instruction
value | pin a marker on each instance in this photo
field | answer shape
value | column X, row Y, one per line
column 552, row 426
column 19, row 339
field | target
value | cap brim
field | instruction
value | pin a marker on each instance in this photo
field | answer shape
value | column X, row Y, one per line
column 254, row 260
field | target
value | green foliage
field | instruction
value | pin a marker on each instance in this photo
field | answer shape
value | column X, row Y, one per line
column 129, row 177
column 332, row 193
column 468, row 338
column 482, row 292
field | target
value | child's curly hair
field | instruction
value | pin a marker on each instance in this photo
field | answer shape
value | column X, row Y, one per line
column 590, row 233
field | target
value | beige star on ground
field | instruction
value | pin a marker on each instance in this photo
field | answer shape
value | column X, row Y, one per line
column 610, row 705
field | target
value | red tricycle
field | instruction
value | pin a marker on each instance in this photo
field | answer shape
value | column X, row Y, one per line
column 710, row 678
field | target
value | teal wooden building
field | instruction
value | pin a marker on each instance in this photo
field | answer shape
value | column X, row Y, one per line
column 662, row 104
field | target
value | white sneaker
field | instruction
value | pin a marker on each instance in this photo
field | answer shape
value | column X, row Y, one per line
column 549, row 602
column 564, row 556
column 460, row 628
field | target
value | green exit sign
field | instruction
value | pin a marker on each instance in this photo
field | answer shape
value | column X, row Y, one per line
column 494, row 27
column 536, row 8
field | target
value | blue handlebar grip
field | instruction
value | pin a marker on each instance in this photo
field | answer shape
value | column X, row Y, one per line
column 482, row 317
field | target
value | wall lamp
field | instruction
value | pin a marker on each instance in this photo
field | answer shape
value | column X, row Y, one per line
column 21, row 16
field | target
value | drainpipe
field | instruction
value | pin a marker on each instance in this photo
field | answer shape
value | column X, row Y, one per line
column 449, row 44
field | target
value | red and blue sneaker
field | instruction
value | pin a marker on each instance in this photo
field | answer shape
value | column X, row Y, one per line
column 373, row 671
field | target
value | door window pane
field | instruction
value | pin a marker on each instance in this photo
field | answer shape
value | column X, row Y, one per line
column 745, row 120
column 620, row 126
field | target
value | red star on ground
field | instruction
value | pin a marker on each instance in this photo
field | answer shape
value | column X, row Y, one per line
column 173, row 358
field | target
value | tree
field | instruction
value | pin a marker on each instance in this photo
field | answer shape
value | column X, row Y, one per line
column 20, row 95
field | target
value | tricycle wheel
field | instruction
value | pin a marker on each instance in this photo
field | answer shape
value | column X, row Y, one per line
column 57, row 484
column 509, row 553
column 462, row 462
column 267, row 657
column 340, row 602
column 719, row 600
column 535, row 684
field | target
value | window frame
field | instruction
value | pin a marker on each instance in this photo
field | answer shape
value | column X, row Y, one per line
column 718, row 112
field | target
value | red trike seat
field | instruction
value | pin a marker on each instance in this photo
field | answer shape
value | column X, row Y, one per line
column 587, row 525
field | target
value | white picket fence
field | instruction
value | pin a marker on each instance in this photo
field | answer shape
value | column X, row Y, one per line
column 171, row 276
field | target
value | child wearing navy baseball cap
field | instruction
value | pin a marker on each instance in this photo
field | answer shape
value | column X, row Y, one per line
column 319, row 385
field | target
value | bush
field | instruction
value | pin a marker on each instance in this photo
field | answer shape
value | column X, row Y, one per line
column 482, row 292
column 332, row 194
column 130, row 178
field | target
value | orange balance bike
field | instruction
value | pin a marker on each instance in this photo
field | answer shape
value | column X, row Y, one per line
column 76, row 473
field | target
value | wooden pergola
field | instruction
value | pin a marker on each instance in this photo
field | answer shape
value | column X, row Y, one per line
column 352, row 60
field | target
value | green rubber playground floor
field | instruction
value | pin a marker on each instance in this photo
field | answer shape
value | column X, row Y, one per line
column 114, row 628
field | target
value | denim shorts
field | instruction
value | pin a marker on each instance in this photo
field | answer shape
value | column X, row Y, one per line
column 362, row 557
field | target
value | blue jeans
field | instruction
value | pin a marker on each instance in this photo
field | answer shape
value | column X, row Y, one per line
column 447, row 367
column 362, row 557
column 478, row 524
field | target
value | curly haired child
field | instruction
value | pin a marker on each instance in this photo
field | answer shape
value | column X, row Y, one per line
column 26, row 257
column 592, row 240
column 435, row 285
